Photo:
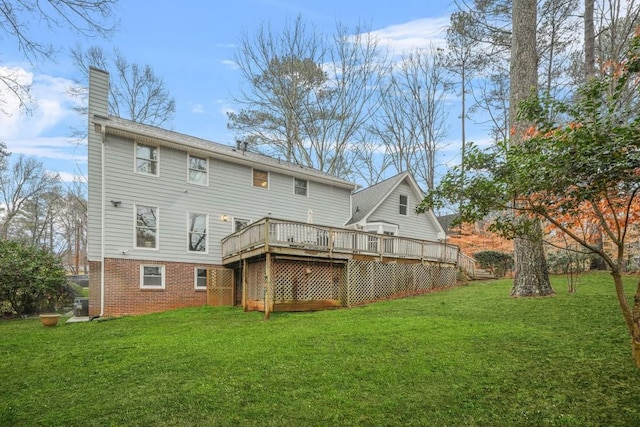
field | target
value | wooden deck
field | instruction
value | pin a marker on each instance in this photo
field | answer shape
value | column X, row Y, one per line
column 297, row 239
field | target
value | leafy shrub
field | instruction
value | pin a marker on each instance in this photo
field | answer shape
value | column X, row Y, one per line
column 496, row 262
column 566, row 262
column 32, row 279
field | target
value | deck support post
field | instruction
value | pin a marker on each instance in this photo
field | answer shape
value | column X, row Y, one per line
column 268, row 297
column 244, row 285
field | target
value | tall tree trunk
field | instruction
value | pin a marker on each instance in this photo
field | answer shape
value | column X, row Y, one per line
column 597, row 263
column 531, row 274
column 589, row 40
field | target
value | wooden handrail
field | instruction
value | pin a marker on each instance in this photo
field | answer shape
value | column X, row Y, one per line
column 277, row 232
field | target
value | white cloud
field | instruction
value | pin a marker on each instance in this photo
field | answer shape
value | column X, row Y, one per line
column 197, row 108
column 416, row 34
column 226, row 45
column 70, row 177
column 55, row 148
column 224, row 107
column 233, row 65
column 32, row 133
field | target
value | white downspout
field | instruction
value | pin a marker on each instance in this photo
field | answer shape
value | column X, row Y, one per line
column 102, row 217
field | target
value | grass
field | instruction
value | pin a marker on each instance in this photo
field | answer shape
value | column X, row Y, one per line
column 465, row 356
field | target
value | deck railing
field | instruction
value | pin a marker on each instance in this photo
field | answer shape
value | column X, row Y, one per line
column 281, row 233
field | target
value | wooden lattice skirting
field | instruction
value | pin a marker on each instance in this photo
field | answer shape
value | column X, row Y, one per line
column 300, row 285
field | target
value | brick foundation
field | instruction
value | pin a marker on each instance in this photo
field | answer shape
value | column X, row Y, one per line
column 94, row 288
column 123, row 295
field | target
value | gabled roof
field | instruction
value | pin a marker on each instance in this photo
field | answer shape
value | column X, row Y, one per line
column 366, row 201
column 155, row 135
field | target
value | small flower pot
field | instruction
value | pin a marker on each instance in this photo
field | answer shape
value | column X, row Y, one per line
column 49, row 319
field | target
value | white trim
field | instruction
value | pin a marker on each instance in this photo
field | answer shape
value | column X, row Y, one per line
column 206, row 232
column 135, row 159
column 195, row 278
column 374, row 227
column 253, row 170
column 306, row 187
column 206, row 172
column 135, row 228
column 162, row 276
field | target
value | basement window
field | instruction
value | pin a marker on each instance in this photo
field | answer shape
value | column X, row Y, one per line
column 152, row 276
column 200, row 278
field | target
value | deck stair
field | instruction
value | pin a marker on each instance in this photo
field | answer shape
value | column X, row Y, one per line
column 481, row 274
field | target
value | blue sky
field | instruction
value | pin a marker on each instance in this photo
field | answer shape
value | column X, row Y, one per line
column 191, row 44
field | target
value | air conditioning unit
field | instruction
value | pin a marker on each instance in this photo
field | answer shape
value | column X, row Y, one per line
column 81, row 307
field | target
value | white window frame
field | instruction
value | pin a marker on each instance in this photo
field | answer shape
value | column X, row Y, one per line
column 162, row 276
column 401, row 205
column 157, row 160
column 206, row 233
column 233, row 223
column 306, row 187
column 205, row 172
column 135, row 228
column 195, row 279
column 253, row 178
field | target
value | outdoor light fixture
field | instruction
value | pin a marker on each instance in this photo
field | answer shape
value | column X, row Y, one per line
column 225, row 218
column 116, row 203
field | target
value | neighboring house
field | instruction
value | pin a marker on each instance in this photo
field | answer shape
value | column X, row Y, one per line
column 162, row 205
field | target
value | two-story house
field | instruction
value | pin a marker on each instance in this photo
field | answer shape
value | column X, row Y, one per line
column 161, row 204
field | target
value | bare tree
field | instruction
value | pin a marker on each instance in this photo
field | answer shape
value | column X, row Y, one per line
column 20, row 185
column 283, row 74
column 371, row 162
column 557, row 33
column 19, row 18
column 37, row 223
column 412, row 120
column 463, row 62
column 393, row 128
column 73, row 226
column 616, row 23
column 308, row 96
column 135, row 92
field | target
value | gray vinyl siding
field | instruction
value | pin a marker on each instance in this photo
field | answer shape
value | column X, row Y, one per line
column 411, row 225
column 230, row 192
column 98, row 98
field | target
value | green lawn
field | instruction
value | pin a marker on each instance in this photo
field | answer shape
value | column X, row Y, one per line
column 465, row 356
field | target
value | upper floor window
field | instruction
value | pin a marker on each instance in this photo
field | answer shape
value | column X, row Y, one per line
column 404, row 201
column 152, row 276
column 260, row 178
column 146, row 159
column 300, row 186
column 239, row 224
column 198, row 169
column 197, row 232
column 146, row 227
